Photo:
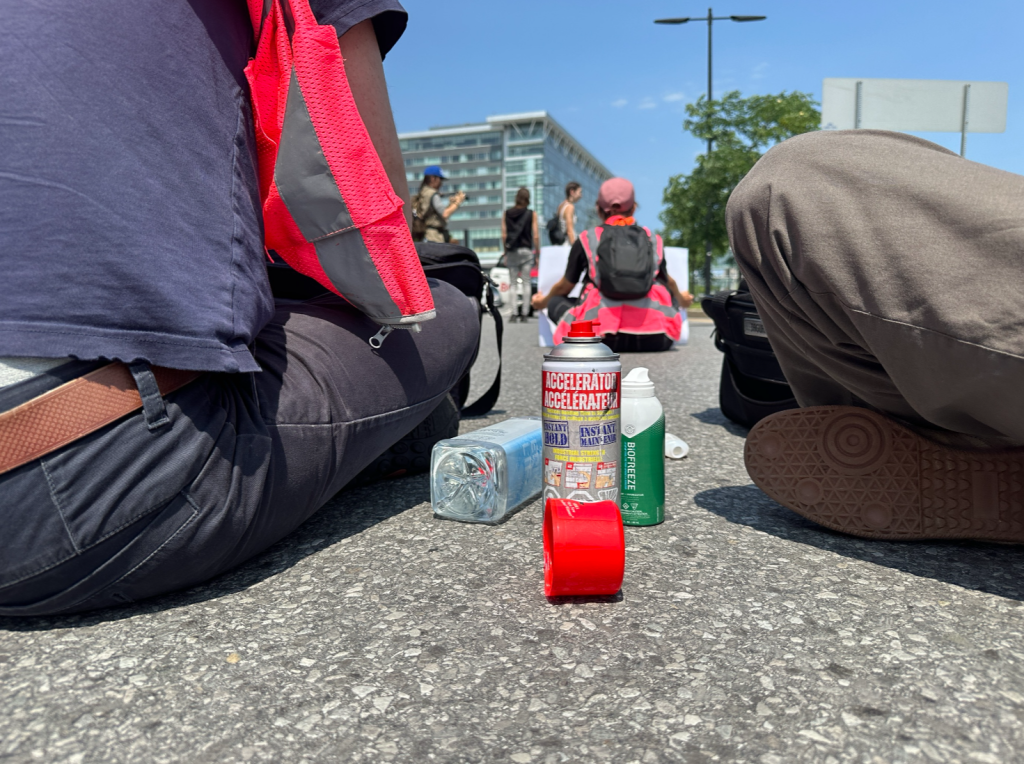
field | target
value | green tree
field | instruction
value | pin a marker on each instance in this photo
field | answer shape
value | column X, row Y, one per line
column 741, row 129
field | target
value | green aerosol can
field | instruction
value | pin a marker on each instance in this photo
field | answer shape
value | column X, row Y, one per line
column 642, row 496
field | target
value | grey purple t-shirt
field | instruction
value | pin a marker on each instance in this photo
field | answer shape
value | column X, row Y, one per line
column 130, row 223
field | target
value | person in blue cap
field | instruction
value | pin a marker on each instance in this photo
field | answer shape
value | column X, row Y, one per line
column 430, row 211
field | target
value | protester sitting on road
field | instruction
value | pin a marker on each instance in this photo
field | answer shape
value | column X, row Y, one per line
column 430, row 210
column 886, row 270
column 566, row 213
column 133, row 250
column 627, row 287
column 520, row 234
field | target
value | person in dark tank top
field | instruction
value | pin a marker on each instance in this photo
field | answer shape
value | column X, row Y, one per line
column 520, row 234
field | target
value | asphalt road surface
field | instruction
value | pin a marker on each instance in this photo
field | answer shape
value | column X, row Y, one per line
column 375, row 633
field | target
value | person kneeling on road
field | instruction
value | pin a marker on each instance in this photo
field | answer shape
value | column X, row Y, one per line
column 134, row 269
column 627, row 288
column 886, row 270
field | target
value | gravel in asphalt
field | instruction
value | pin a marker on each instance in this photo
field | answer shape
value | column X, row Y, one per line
column 377, row 633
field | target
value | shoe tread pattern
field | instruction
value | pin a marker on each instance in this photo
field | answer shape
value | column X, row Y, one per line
column 858, row 472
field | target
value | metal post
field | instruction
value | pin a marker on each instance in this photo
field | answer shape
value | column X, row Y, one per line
column 707, row 221
column 859, row 106
column 966, row 120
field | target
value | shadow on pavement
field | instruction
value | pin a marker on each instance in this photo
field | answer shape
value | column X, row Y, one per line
column 350, row 512
column 991, row 568
column 492, row 412
column 715, row 416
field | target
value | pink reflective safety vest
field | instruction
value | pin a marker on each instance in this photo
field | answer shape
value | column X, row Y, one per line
column 653, row 314
column 328, row 206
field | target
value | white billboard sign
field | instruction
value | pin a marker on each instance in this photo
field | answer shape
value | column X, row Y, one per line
column 913, row 105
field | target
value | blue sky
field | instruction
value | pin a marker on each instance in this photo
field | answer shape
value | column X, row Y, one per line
column 618, row 82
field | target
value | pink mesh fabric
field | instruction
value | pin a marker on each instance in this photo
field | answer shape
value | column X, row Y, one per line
column 375, row 209
column 634, row 317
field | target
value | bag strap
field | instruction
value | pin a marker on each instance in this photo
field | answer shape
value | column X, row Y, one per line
column 657, row 245
column 486, row 401
column 716, row 306
column 590, row 239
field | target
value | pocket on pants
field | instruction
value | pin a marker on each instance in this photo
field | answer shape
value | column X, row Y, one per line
column 222, row 504
column 132, row 513
column 100, row 566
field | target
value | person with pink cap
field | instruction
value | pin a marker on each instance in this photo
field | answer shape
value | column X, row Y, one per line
column 627, row 289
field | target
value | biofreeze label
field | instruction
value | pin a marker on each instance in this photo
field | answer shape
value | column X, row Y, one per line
column 581, row 434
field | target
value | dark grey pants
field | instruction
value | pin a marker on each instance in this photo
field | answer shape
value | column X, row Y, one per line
column 888, row 272
column 127, row 513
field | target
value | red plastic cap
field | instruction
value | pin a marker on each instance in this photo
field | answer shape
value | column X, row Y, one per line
column 584, row 548
column 582, row 329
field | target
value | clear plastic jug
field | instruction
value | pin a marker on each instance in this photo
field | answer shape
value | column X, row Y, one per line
column 483, row 475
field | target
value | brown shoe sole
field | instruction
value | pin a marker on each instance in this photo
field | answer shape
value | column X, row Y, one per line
column 858, row 472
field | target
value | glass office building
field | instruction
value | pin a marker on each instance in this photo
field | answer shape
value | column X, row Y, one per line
column 490, row 161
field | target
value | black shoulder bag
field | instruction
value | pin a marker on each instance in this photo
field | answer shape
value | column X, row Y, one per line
column 752, row 384
column 460, row 267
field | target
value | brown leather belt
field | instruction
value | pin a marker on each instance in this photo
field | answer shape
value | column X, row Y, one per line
column 75, row 409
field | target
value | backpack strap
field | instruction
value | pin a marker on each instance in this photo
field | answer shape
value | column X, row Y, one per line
column 659, row 248
column 716, row 306
column 590, row 240
column 486, row 401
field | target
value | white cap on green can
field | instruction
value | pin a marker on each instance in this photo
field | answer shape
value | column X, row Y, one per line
column 637, row 384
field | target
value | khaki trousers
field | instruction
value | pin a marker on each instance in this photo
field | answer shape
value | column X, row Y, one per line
column 889, row 272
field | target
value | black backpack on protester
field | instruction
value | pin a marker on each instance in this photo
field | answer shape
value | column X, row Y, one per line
column 752, row 384
column 555, row 233
column 626, row 265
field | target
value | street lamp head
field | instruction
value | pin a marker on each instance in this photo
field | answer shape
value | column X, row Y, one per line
column 672, row 21
column 748, row 18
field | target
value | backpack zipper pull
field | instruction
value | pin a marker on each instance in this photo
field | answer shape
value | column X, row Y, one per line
column 378, row 339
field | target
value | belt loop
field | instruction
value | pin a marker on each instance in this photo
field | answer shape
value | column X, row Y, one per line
column 153, row 407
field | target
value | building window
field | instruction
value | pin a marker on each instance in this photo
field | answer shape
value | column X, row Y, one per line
column 464, row 214
column 481, row 199
column 450, row 142
column 485, row 240
column 525, row 151
column 480, row 156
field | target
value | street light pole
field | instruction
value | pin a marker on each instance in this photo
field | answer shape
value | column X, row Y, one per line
column 707, row 220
